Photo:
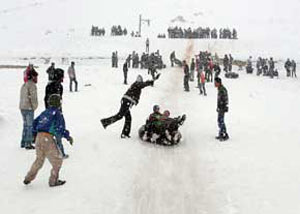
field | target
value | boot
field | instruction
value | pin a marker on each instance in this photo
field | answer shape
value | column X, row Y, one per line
column 125, row 136
column 58, row 183
column 103, row 123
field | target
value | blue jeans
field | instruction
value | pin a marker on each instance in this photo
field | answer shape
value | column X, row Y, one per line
column 27, row 137
column 221, row 124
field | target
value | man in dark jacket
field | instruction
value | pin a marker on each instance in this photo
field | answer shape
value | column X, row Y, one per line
column 54, row 87
column 125, row 72
column 186, row 77
column 50, row 71
column 130, row 98
column 222, row 108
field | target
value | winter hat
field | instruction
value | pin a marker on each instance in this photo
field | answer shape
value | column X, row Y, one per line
column 218, row 80
column 54, row 101
column 58, row 74
column 139, row 78
column 156, row 108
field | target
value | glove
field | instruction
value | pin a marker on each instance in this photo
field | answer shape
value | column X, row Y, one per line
column 71, row 140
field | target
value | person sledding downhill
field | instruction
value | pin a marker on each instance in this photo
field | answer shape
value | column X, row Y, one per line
column 161, row 128
column 130, row 98
column 47, row 127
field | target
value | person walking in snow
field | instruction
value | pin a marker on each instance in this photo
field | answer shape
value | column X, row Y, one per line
column 147, row 45
column 47, row 127
column 202, row 82
column 54, row 87
column 293, row 66
column 130, row 98
column 28, row 104
column 50, row 72
column 192, row 72
column 125, row 72
column 186, row 76
column 72, row 76
column 222, row 108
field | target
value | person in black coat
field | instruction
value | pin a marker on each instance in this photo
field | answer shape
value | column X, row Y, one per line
column 186, row 76
column 222, row 108
column 50, row 71
column 55, row 86
column 125, row 71
column 130, row 98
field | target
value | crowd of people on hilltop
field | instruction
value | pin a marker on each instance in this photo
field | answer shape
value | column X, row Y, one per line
column 118, row 31
column 96, row 31
column 201, row 33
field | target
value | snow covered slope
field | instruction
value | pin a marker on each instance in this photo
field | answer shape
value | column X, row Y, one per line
column 256, row 171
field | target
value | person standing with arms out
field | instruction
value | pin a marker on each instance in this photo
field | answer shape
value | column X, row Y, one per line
column 222, row 108
column 130, row 98
column 125, row 72
column 28, row 104
column 186, row 76
column 47, row 127
column 147, row 45
column 72, row 76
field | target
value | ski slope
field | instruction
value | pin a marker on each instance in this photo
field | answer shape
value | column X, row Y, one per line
column 256, row 171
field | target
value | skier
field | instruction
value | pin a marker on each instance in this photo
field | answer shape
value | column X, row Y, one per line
column 125, row 72
column 186, row 76
column 28, row 104
column 130, row 98
column 72, row 76
column 222, row 108
column 47, row 127
column 50, row 71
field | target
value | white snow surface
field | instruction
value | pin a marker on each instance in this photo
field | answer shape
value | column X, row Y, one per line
column 256, row 171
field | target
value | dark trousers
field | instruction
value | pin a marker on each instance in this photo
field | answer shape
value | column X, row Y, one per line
column 221, row 124
column 123, row 112
column 125, row 78
column 71, row 83
column 186, row 83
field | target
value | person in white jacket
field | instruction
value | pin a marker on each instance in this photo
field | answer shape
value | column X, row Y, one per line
column 28, row 104
column 72, row 76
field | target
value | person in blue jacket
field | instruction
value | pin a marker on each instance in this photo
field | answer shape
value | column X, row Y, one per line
column 48, row 127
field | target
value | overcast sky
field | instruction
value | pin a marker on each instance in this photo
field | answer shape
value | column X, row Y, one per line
column 262, row 17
